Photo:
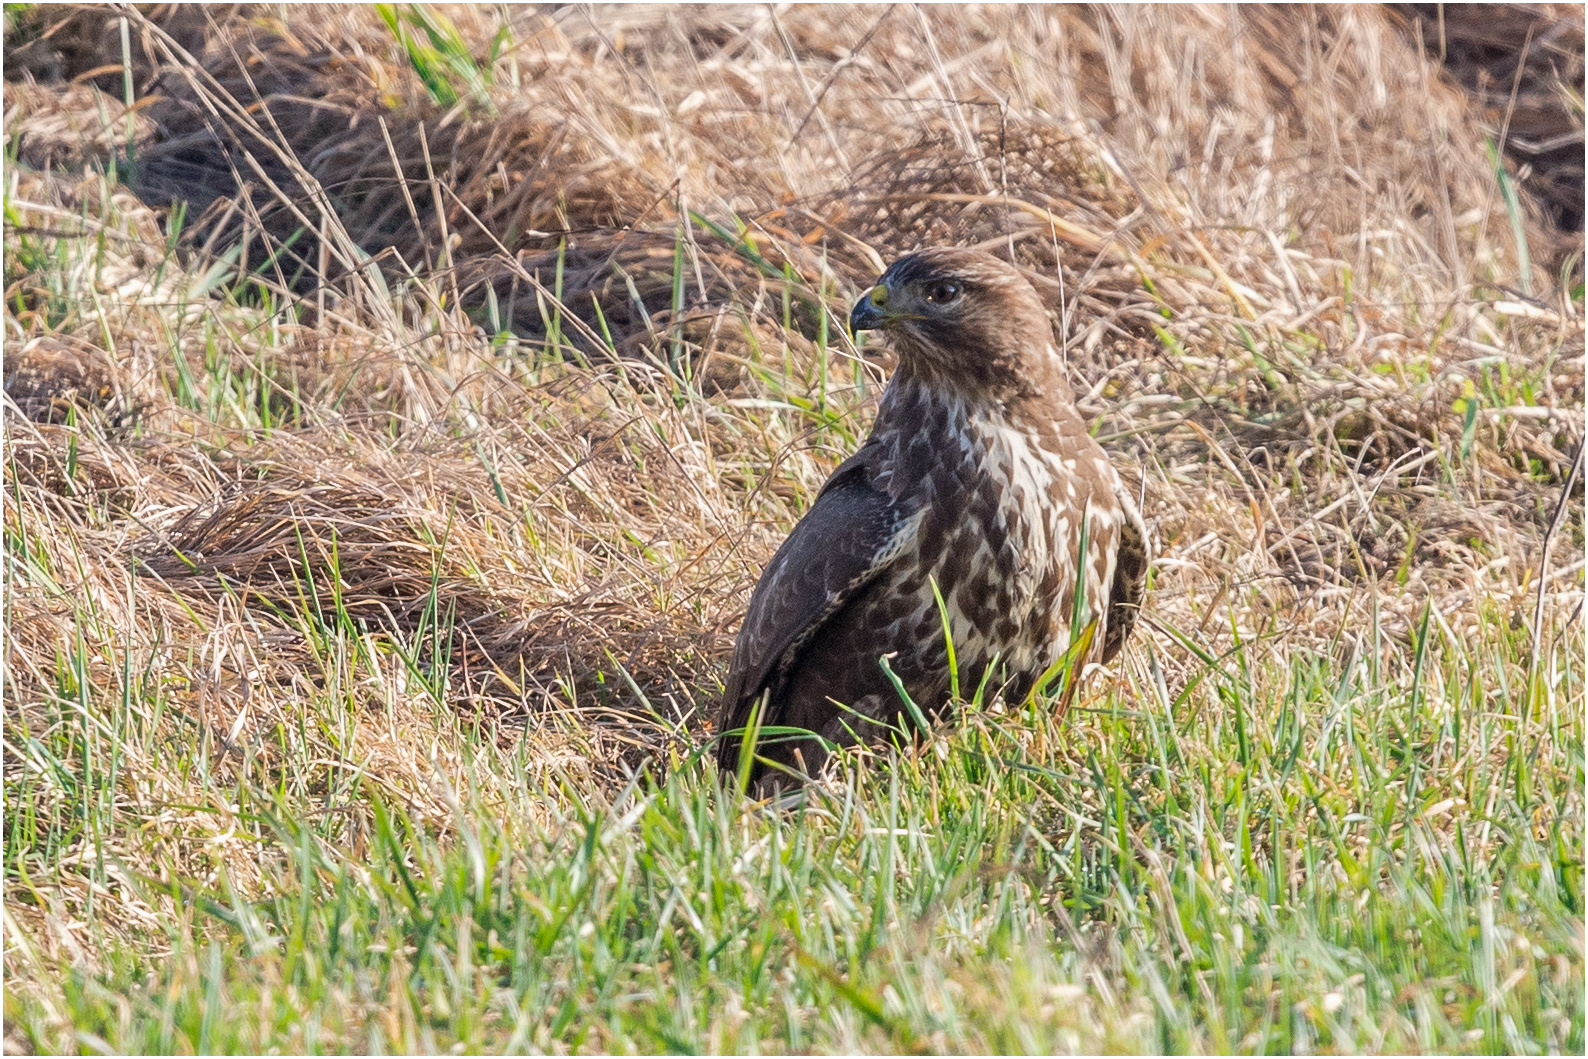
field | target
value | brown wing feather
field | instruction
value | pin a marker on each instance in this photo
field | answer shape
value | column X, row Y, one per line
column 847, row 538
column 1130, row 579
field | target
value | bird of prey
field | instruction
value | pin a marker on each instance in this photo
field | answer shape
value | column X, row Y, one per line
column 977, row 479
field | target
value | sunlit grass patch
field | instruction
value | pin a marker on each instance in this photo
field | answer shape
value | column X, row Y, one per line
column 1349, row 851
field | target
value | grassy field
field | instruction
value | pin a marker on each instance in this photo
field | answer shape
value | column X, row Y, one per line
column 376, row 535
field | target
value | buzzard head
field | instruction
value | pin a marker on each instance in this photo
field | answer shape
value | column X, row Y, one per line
column 962, row 317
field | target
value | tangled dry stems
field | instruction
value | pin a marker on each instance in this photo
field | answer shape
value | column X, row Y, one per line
column 1523, row 64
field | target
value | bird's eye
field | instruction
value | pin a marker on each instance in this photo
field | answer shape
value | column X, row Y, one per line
column 942, row 293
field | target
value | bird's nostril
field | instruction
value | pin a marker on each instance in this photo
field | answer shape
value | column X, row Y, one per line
column 879, row 295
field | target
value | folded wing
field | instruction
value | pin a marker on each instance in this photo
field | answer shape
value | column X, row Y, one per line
column 849, row 536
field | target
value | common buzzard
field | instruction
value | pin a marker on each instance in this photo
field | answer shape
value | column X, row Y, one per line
column 978, row 476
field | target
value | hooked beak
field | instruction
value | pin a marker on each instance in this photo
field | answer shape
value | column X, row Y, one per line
column 870, row 311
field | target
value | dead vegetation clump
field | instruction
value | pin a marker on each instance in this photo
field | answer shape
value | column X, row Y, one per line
column 402, row 175
column 553, row 182
column 1523, row 65
column 49, row 378
column 321, row 533
column 82, row 43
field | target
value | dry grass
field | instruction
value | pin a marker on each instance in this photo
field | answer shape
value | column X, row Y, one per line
column 493, row 410
column 1523, row 64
